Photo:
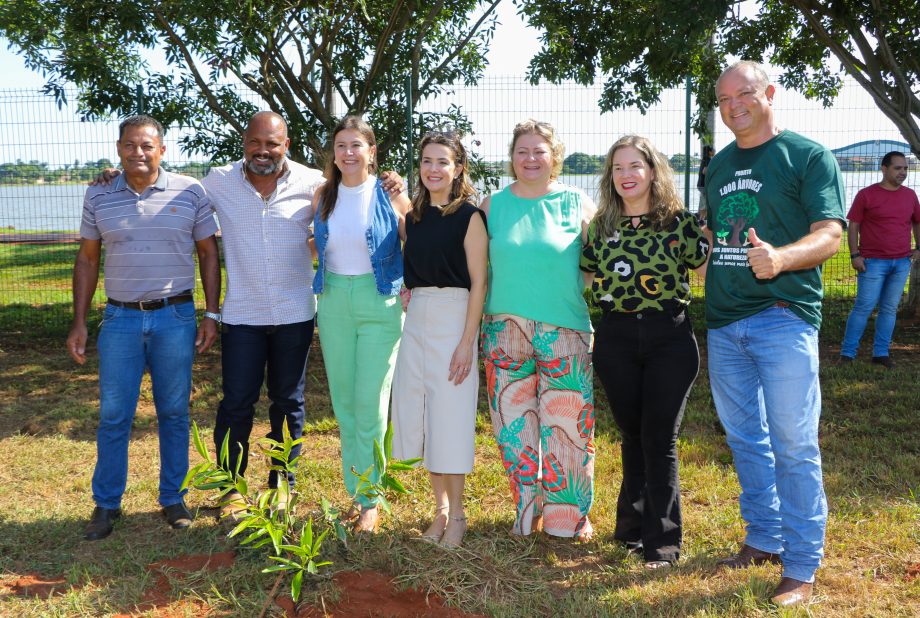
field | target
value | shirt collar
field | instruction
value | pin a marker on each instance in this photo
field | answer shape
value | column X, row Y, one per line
column 121, row 182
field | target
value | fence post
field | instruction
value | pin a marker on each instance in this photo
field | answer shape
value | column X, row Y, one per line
column 687, row 148
column 409, row 131
column 139, row 99
column 912, row 307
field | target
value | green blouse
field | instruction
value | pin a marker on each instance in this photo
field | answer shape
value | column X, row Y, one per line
column 640, row 268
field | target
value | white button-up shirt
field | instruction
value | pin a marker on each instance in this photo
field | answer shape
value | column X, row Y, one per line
column 268, row 260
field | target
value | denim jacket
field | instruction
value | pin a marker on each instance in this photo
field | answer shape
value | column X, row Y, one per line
column 383, row 245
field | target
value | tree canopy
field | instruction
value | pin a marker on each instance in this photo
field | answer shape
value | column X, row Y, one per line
column 641, row 47
column 313, row 62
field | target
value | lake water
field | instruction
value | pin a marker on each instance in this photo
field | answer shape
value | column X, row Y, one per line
column 58, row 207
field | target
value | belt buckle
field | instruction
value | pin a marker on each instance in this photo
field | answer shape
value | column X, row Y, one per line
column 154, row 304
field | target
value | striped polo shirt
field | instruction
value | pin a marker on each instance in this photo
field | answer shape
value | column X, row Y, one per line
column 269, row 265
column 150, row 237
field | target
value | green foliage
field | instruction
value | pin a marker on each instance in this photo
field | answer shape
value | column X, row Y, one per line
column 34, row 172
column 312, row 62
column 642, row 47
column 679, row 161
column 581, row 163
column 268, row 516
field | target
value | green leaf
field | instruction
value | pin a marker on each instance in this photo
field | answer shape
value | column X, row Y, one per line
column 380, row 461
column 388, row 442
column 295, row 585
column 199, row 443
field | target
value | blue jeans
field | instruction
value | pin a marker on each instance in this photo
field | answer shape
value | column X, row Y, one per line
column 764, row 376
column 131, row 340
column 882, row 284
column 246, row 351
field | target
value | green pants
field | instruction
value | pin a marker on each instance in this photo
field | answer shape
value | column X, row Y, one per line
column 359, row 334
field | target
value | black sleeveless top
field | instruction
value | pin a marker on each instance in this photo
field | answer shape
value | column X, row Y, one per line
column 433, row 255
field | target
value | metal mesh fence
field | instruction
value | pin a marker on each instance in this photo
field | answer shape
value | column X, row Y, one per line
column 47, row 154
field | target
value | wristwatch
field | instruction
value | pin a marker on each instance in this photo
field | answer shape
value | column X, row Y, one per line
column 213, row 316
column 853, row 256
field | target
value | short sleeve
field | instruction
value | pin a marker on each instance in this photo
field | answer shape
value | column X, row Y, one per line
column 822, row 188
column 205, row 225
column 696, row 245
column 588, row 261
column 88, row 227
column 916, row 216
column 858, row 208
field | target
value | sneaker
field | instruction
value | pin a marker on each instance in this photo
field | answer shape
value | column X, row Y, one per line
column 884, row 361
column 101, row 523
column 178, row 516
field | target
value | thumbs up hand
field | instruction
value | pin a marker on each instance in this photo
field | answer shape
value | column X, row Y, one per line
column 765, row 260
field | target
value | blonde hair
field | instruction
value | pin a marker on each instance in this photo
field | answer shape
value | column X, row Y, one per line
column 461, row 190
column 664, row 201
column 548, row 133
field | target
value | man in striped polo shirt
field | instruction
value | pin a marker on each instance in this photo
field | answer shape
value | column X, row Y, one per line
column 150, row 221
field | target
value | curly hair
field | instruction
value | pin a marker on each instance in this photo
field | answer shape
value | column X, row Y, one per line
column 548, row 133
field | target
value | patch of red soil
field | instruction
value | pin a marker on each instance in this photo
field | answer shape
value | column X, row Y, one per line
column 37, row 586
column 369, row 594
column 158, row 596
column 913, row 572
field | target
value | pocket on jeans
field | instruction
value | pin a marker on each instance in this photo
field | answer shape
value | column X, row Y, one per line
column 183, row 311
column 110, row 313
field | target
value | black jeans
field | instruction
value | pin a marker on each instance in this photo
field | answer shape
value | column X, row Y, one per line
column 647, row 363
column 245, row 352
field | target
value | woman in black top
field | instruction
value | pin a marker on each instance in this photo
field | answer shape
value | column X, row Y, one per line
column 436, row 383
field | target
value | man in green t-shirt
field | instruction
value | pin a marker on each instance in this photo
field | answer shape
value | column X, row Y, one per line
column 776, row 214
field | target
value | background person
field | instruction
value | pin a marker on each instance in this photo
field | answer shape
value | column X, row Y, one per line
column 150, row 221
column 881, row 220
column 708, row 151
column 641, row 246
column 536, row 338
column 776, row 212
column 436, row 383
column 359, row 275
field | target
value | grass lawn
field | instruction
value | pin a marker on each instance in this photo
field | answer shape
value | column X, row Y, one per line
column 48, row 411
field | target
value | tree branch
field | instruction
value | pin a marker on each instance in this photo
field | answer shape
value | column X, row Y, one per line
column 196, row 75
column 457, row 49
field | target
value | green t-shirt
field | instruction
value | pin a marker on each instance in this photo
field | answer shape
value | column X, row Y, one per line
column 642, row 268
column 534, row 247
column 779, row 188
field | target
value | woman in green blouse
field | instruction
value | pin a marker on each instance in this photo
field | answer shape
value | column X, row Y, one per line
column 640, row 249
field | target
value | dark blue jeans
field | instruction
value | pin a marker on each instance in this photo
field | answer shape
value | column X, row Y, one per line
column 246, row 351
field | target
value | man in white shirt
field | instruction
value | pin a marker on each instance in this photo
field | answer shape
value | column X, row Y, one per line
column 264, row 203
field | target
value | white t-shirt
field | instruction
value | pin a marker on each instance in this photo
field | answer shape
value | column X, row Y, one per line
column 346, row 251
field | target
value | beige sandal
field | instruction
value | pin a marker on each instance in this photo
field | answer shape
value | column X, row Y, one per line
column 430, row 537
column 449, row 543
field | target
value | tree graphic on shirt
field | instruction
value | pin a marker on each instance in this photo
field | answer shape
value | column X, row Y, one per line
column 737, row 212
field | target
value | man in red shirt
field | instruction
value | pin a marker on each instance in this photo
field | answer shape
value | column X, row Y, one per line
column 881, row 220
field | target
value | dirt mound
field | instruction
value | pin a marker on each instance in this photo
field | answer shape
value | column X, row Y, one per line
column 31, row 585
column 369, row 594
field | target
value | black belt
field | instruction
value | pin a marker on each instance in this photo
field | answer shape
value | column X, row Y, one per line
column 157, row 303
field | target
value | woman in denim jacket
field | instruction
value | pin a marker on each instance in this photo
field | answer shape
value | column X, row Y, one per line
column 359, row 313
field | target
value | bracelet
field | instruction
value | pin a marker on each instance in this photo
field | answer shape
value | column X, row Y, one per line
column 853, row 256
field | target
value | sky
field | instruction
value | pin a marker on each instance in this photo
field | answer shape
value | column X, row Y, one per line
column 573, row 110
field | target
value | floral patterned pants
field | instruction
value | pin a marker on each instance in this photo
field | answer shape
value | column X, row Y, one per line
column 541, row 399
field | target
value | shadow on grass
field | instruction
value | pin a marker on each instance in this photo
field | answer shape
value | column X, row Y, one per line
column 116, row 567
